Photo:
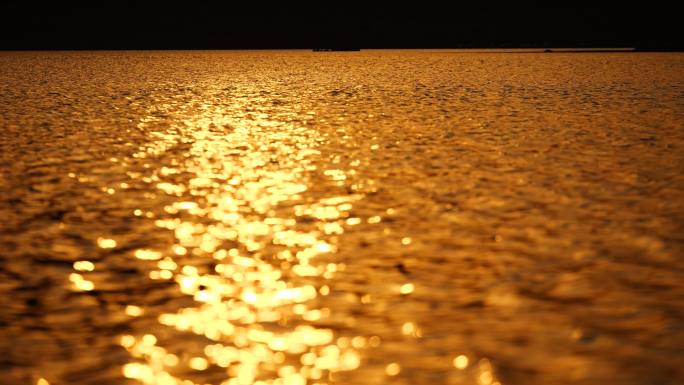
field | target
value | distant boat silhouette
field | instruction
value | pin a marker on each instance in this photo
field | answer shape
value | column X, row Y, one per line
column 335, row 49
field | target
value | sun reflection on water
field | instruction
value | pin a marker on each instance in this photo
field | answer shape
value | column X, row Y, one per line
column 246, row 249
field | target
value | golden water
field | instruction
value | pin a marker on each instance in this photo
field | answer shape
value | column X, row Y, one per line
column 378, row 217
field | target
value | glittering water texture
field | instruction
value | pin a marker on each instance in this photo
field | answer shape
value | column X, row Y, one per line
column 379, row 217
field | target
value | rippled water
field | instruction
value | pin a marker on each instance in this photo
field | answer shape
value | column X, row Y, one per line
column 380, row 217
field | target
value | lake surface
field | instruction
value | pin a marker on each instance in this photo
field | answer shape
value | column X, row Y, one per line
column 373, row 217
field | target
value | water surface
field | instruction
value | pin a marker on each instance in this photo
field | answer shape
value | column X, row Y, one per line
column 375, row 217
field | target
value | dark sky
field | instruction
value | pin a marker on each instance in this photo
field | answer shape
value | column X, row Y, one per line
column 222, row 25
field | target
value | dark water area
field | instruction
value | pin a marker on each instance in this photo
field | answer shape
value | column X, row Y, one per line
column 373, row 217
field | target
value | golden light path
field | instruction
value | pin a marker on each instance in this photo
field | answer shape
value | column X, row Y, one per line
column 247, row 251
column 234, row 213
